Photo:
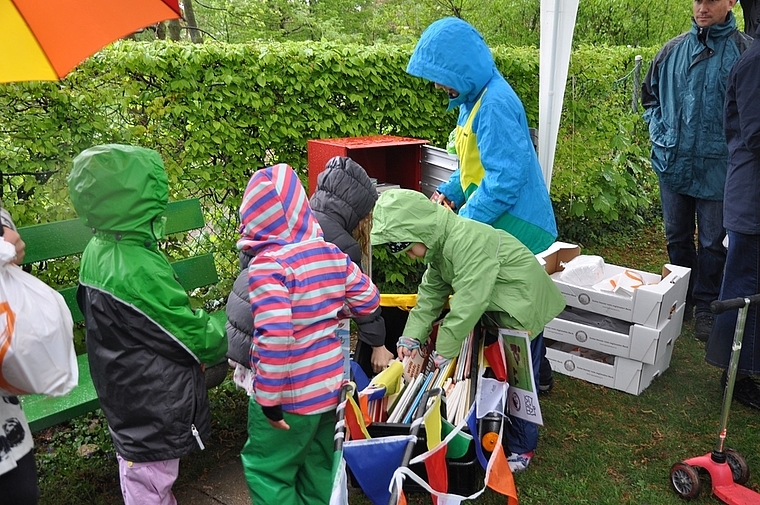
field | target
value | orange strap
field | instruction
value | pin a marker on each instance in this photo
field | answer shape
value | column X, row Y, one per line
column 5, row 343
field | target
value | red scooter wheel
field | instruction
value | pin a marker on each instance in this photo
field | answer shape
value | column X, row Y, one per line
column 685, row 480
column 738, row 465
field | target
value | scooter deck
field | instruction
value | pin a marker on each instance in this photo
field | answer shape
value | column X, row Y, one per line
column 736, row 495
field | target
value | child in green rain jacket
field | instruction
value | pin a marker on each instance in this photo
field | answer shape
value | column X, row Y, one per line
column 146, row 345
column 485, row 270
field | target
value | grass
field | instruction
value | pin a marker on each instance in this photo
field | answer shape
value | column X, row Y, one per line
column 598, row 445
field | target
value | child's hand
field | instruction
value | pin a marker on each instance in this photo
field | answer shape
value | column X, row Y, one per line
column 380, row 358
column 441, row 199
column 279, row 425
column 404, row 353
column 407, row 347
column 275, row 418
column 440, row 361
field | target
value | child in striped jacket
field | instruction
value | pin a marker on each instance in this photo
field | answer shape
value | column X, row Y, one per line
column 300, row 287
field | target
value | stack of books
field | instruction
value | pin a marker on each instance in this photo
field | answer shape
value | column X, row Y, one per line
column 454, row 380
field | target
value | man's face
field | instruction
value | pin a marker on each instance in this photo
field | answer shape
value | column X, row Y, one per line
column 449, row 91
column 711, row 12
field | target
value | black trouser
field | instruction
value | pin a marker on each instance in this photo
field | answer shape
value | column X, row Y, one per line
column 19, row 486
column 545, row 370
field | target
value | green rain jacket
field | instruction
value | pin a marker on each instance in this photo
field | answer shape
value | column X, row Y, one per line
column 484, row 269
column 145, row 343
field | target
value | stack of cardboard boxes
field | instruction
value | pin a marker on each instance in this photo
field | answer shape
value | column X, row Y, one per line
column 622, row 339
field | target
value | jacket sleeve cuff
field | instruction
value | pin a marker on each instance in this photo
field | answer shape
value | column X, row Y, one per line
column 273, row 413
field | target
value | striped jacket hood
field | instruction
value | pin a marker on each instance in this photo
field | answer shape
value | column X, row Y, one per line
column 275, row 211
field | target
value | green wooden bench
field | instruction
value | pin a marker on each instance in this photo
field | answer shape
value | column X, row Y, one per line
column 60, row 239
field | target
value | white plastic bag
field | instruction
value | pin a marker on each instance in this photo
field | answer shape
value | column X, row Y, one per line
column 36, row 334
column 583, row 270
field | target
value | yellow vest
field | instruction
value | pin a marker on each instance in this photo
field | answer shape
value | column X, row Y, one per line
column 471, row 170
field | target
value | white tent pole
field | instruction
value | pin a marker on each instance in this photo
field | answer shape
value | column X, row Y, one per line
column 557, row 25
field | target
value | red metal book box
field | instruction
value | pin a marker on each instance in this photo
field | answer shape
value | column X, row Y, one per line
column 389, row 159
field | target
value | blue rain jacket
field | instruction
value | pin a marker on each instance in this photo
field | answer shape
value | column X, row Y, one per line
column 683, row 95
column 512, row 194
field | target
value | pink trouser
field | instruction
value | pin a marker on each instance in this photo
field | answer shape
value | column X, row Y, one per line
column 148, row 483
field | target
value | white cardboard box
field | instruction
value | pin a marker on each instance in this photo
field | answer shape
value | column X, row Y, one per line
column 641, row 343
column 650, row 305
column 615, row 372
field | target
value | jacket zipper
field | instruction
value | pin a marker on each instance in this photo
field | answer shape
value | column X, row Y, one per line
column 193, row 429
column 197, row 436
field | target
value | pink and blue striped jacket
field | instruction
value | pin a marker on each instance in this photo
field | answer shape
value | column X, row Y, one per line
column 300, row 287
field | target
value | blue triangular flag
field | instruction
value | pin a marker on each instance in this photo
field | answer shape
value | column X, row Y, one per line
column 359, row 377
column 373, row 461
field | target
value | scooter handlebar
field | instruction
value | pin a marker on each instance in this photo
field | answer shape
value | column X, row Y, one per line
column 720, row 306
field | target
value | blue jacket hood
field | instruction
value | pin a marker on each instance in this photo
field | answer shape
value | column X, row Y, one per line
column 452, row 53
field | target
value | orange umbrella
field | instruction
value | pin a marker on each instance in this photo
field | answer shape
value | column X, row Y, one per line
column 43, row 40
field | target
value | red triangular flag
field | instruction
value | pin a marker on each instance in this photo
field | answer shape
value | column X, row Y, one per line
column 494, row 353
column 354, row 421
column 438, row 473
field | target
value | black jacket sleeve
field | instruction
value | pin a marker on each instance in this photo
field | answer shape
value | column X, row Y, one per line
column 371, row 328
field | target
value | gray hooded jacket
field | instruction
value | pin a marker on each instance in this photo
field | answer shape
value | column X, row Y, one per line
column 344, row 196
column 239, row 319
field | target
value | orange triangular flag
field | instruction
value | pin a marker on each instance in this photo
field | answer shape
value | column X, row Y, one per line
column 401, row 498
column 499, row 476
column 357, row 430
column 364, row 406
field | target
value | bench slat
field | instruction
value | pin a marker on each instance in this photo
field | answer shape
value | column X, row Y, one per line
column 70, row 297
column 54, row 240
column 196, row 271
column 63, row 238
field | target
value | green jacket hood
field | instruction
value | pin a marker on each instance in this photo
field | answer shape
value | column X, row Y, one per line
column 119, row 188
column 451, row 52
column 404, row 215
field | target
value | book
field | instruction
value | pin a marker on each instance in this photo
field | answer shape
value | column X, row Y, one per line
column 418, row 398
column 406, row 398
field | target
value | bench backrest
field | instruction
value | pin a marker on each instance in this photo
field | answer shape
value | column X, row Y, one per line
column 60, row 239
column 66, row 238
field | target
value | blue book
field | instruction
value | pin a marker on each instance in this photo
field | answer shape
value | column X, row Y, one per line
column 418, row 398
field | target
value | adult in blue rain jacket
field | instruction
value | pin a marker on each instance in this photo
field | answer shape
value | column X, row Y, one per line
column 683, row 95
column 498, row 181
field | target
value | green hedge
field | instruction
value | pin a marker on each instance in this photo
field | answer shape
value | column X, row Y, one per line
column 217, row 112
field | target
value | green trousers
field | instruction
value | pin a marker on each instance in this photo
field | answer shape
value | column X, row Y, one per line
column 289, row 467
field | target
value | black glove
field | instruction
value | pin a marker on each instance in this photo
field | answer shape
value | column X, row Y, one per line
column 273, row 413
